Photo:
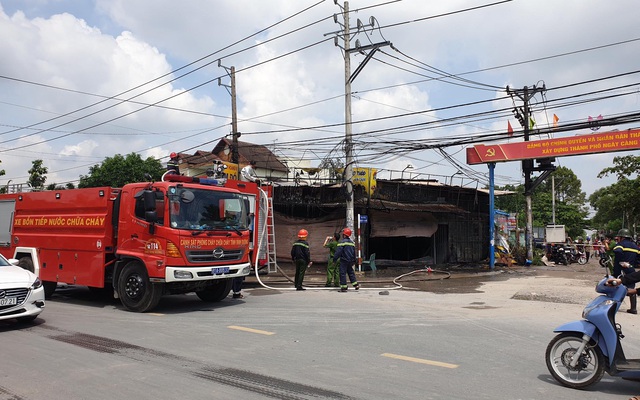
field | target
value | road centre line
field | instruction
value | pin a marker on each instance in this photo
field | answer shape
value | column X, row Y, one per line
column 420, row 360
column 242, row 328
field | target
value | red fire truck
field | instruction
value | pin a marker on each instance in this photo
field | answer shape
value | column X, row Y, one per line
column 140, row 241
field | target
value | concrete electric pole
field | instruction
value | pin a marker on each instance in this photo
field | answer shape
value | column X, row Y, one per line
column 523, row 115
column 348, row 79
column 235, row 158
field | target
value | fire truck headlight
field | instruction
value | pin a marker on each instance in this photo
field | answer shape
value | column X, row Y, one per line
column 182, row 274
column 246, row 270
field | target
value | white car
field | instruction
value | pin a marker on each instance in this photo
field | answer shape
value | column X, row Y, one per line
column 21, row 293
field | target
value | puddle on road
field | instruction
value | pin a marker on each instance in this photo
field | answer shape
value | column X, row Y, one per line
column 438, row 283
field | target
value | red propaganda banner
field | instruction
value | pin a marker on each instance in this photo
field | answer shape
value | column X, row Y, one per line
column 604, row 142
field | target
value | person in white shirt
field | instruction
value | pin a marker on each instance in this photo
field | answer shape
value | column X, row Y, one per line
column 248, row 173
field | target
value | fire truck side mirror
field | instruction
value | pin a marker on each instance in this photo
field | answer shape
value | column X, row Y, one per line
column 149, row 200
column 150, row 213
column 151, row 217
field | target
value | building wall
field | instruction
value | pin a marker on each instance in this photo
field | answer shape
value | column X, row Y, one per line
column 460, row 217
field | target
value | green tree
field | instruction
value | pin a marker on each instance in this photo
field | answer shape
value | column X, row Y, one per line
column 37, row 175
column 568, row 187
column 616, row 206
column 570, row 211
column 117, row 171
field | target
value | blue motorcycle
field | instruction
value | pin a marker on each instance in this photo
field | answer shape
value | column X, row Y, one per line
column 584, row 350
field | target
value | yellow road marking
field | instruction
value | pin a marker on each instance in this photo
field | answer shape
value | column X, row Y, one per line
column 242, row 328
column 420, row 360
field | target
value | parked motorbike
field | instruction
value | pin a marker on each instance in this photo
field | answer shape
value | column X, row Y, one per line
column 563, row 254
column 560, row 254
column 577, row 255
column 585, row 349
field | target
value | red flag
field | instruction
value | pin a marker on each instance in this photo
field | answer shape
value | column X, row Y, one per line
column 555, row 121
column 509, row 128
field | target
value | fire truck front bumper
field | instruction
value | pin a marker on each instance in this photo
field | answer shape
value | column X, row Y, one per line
column 182, row 274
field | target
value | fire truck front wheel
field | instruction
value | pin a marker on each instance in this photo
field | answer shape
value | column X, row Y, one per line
column 135, row 290
column 217, row 292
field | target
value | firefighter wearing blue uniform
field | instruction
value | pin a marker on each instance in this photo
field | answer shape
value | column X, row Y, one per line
column 626, row 251
column 301, row 256
column 172, row 164
column 346, row 253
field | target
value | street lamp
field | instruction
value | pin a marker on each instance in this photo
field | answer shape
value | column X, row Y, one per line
column 409, row 166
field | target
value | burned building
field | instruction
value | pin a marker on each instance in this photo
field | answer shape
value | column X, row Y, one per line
column 407, row 222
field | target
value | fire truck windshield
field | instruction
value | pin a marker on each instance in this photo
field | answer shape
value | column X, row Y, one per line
column 205, row 210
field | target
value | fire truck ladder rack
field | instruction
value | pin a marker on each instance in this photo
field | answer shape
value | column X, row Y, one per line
column 272, row 265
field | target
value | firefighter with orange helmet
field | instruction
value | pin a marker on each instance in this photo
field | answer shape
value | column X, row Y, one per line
column 172, row 164
column 301, row 256
column 346, row 253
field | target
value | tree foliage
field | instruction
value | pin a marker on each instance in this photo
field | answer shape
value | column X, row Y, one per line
column 118, row 170
column 37, row 174
column 570, row 208
column 616, row 206
column 568, row 188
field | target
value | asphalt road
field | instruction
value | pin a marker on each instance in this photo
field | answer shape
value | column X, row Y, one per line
column 485, row 342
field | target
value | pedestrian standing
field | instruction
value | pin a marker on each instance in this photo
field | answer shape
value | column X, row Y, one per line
column 333, row 269
column 346, row 253
column 301, row 256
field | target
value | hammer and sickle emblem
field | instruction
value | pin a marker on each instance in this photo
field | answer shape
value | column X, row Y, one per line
column 490, row 153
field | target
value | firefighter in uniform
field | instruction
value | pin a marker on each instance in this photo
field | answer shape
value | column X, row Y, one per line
column 333, row 271
column 626, row 251
column 346, row 253
column 301, row 256
column 172, row 164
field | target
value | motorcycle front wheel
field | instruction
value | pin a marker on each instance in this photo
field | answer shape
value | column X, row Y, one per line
column 582, row 260
column 562, row 350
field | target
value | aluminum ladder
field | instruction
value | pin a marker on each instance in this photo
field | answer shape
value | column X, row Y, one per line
column 272, row 264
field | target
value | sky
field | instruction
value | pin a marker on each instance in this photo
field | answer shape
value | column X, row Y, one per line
column 81, row 80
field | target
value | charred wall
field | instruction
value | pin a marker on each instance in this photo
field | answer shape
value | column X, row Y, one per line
column 460, row 214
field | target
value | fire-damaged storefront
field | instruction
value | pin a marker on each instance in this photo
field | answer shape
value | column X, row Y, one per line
column 407, row 222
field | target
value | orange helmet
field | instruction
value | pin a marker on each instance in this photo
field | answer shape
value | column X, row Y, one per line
column 173, row 155
column 347, row 232
column 302, row 234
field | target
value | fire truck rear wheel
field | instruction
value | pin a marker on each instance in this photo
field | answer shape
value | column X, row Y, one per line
column 215, row 293
column 135, row 290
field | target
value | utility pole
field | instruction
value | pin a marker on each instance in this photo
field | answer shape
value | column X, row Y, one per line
column 553, row 199
column 348, row 79
column 523, row 115
column 235, row 158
